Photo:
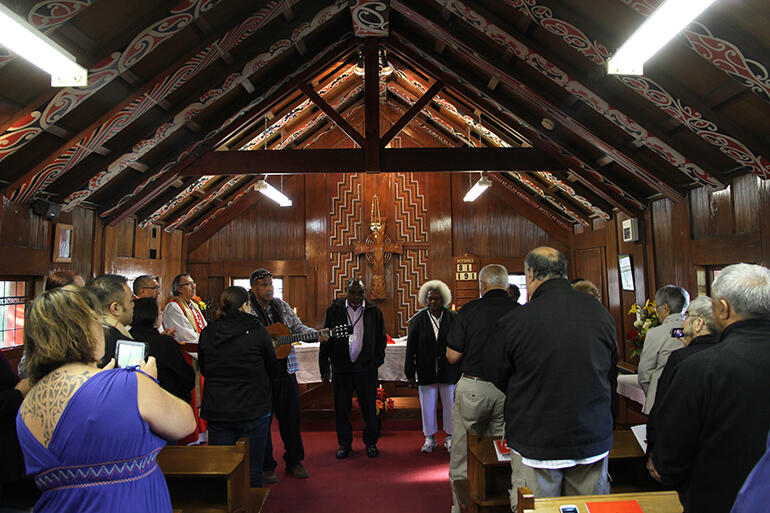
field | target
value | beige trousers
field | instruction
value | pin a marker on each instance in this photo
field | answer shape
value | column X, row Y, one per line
column 591, row 479
column 479, row 405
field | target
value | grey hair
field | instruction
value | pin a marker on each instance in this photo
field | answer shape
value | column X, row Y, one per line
column 746, row 287
column 675, row 297
column 494, row 276
column 439, row 285
column 546, row 263
column 701, row 307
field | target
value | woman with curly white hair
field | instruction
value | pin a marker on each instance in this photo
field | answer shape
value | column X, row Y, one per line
column 426, row 354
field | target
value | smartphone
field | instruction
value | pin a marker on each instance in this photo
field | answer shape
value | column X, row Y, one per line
column 129, row 353
column 569, row 508
column 677, row 332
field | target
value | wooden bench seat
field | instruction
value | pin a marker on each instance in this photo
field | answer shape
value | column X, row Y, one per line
column 657, row 502
column 211, row 479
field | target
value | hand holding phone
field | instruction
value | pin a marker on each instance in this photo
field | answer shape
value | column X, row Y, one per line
column 129, row 353
column 569, row 508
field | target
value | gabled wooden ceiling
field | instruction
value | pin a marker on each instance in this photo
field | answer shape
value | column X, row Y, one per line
column 172, row 81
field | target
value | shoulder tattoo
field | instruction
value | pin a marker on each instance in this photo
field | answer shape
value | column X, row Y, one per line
column 48, row 398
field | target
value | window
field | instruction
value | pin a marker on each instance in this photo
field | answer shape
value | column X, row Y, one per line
column 520, row 281
column 12, row 297
column 277, row 285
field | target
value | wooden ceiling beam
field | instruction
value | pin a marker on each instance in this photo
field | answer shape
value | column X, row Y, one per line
column 372, row 105
column 524, row 122
column 411, row 113
column 333, row 114
column 75, row 137
column 354, row 160
column 279, row 91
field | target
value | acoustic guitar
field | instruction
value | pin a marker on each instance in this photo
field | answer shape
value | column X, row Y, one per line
column 283, row 338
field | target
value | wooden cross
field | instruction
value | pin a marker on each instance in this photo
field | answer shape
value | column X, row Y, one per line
column 378, row 248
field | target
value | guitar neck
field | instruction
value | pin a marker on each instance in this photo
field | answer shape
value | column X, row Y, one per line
column 299, row 337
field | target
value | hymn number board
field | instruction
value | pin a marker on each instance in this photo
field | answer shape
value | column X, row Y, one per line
column 466, row 270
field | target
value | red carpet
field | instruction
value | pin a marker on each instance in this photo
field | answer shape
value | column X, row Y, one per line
column 401, row 479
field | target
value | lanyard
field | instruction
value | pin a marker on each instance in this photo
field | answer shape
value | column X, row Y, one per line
column 354, row 312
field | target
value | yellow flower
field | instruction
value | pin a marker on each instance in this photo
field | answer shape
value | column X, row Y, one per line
column 634, row 309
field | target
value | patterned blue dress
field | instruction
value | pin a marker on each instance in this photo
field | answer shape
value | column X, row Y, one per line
column 102, row 455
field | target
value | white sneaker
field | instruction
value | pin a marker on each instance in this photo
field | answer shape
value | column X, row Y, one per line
column 448, row 443
column 429, row 445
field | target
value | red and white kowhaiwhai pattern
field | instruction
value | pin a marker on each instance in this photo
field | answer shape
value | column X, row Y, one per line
column 723, row 54
column 47, row 16
column 370, row 18
column 584, row 94
column 102, row 74
column 597, row 53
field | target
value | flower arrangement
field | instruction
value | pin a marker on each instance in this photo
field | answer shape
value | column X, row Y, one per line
column 198, row 301
column 384, row 401
column 646, row 318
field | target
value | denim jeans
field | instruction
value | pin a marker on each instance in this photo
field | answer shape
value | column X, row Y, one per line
column 257, row 431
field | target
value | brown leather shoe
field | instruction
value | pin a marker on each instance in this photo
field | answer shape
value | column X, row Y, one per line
column 298, row 471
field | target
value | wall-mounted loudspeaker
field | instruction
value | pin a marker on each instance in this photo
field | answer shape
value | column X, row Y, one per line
column 45, row 208
column 630, row 230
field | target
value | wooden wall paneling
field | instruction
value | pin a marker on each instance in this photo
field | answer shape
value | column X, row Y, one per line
column 439, row 197
column 640, row 262
column 172, row 263
column 243, row 268
column 722, row 207
column 614, row 293
column 700, row 213
column 764, row 219
column 83, row 235
column 199, row 254
column 97, row 247
column 591, row 265
column 294, row 293
column 21, row 261
column 125, row 234
column 141, row 242
column 110, row 238
column 317, row 280
column 746, row 203
column 15, row 228
column 511, row 264
column 728, row 249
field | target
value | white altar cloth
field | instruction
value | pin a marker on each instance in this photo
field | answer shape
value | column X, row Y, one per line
column 628, row 386
column 391, row 370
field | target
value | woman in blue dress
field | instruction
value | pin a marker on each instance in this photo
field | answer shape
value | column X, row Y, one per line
column 90, row 437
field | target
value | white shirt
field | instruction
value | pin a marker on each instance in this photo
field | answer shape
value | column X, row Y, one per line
column 174, row 317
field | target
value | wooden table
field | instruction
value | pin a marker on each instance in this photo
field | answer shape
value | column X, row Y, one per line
column 650, row 502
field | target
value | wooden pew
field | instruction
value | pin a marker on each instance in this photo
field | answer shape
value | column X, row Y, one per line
column 486, row 489
column 658, row 502
column 211, row 479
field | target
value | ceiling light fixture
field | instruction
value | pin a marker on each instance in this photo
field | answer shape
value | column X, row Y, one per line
column 28, row 42
column 666, row 22
column 272, row 193
column 478, row 188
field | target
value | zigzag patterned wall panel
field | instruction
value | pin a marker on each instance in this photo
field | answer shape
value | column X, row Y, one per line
column 411, row 273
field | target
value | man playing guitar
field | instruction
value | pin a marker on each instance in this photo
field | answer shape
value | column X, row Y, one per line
column 286, row 408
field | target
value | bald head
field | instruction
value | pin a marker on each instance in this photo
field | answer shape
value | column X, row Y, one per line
column 543, row 264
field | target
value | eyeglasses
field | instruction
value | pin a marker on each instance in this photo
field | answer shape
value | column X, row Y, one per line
column 155, row 287
column 191, row 283
column 262, row 274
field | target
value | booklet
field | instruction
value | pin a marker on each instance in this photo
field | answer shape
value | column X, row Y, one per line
column 502, row 450
column 614, row 507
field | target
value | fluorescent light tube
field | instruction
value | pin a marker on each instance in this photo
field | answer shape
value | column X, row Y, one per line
column 25, row 40
column 479, row 187
column 272, row 193
column 666, row 22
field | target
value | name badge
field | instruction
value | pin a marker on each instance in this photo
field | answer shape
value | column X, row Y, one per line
column 352, row 339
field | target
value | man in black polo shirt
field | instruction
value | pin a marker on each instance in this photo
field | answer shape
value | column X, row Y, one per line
column 479, row 405
column 559, row 357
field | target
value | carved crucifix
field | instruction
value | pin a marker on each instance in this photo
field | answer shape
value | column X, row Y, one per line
column 378, row 249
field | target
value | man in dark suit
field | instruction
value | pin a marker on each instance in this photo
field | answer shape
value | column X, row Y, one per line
column 354, row 362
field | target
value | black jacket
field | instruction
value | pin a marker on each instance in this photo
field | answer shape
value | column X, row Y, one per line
column 111, row 337
column 664, row 383
column 11, row 465
column 174, row 374
column 425, row 354
column 237, row 359
column 559, row 354
column 713, row 422
column 472, row 331
column 336, row 350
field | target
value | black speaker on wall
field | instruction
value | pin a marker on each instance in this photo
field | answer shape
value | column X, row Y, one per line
column 45, row 208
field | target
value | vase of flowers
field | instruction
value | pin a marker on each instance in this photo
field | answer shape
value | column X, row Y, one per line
column 384, row 402
column 646, row 318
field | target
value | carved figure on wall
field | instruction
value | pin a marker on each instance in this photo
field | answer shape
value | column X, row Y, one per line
column 379, row 249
